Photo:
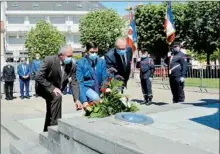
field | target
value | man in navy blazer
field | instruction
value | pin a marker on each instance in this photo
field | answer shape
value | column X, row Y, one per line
column 120, row 58
column 24, row 71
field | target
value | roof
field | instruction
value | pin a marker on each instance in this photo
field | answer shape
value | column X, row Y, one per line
column 53, row 6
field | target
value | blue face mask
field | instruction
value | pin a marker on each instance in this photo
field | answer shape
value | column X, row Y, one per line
column 121, row 52
column 93, row 56
column 67, row 60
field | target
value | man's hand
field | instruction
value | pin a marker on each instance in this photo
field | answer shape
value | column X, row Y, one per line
column 79, row 105
column 57, row 92
column 24, row 77
column 182, row 79
column 150, row 79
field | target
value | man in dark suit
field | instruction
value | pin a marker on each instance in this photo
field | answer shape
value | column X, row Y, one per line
column 9, row 77
column 120, row 58
column 51, row 80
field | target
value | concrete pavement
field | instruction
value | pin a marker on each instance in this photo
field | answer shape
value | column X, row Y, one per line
column 29, row 114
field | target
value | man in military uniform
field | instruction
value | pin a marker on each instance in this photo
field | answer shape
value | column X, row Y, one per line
column 147, row 69
column 177, row 72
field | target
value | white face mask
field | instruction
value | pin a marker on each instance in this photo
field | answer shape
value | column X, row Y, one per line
column 143, row 56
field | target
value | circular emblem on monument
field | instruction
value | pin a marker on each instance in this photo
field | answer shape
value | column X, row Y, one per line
column 134, row 118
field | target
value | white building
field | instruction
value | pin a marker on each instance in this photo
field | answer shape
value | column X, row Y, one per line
column 18, row 18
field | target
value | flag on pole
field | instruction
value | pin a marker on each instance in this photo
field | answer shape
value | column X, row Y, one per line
column 132, row 33
column 169, row 27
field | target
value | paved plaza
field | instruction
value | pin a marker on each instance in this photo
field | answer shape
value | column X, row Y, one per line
column 190, row 124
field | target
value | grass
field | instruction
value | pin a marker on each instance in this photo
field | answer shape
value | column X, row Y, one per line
column 194, row 82
column 207, row 82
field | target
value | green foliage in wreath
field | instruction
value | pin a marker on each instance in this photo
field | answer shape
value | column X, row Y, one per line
column 112, row 102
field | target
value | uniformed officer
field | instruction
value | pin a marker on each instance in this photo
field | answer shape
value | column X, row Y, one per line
column 177, row 72
column 147, row 69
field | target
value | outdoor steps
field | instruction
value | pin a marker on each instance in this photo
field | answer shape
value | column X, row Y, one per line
column 51, row 139
column 24, row 147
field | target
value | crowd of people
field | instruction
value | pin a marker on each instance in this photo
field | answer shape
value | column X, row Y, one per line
column 85, row 77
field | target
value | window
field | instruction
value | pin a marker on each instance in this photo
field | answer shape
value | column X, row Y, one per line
column 79, row 5
column 15, row 40
column 76, row 19
column 58, row 20
column 76, row 38
column 34, row 20
column 14, row 5
column 58, row 5
column 35, row 6
column 69, row 38
column 96, row 5
column 15, row 20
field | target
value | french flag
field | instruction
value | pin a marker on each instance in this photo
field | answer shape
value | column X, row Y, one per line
column 132, row 33
column 169, row 27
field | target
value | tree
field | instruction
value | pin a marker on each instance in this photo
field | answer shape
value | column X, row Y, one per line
column 44, row 39
column 102, row 27
column 150, row 27
column 202, row 22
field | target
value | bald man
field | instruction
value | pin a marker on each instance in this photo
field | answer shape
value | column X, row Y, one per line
column 51, row 80
column 120, row 58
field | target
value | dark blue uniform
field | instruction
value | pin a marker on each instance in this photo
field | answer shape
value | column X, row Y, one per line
column 177, row 69
column 147, row 69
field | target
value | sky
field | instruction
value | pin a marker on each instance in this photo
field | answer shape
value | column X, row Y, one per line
column 121, row 6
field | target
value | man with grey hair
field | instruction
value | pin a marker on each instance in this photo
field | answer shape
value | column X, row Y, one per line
column 120, row 58
column 52, row 78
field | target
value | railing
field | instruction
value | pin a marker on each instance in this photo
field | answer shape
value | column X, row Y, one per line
column 203, row 77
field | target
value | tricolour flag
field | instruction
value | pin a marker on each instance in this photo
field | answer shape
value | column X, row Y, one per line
column 132, row 33
column 169, row 27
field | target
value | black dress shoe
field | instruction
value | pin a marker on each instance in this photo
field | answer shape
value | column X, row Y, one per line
column 28, row 97
column 7, row 99
column 22, row 97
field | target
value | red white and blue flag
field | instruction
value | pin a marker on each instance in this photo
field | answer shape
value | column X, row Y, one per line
column 132, row 33
column 169, row 27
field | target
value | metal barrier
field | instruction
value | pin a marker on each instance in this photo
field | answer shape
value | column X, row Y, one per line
column 203, row 77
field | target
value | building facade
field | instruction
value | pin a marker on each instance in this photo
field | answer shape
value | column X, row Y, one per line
column 19, row 17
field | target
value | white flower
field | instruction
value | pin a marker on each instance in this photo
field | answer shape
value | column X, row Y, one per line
column 128, row 104
column 108, row 90
column 124, row 101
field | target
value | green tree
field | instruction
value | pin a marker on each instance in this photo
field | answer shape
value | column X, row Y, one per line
column 102, row 27
column 150, row 27
column 202, row 22
column 43, row 39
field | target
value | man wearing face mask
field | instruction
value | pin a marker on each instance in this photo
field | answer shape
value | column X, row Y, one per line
column 52, row 78
column 24, row 71
column 35, row 67
column 147, row 68
column 177, row 72
column 120, row 58
column 91, row 74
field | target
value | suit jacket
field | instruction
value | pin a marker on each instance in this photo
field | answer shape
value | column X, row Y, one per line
column 49, row 77
column 147, row 67
column 35, row 65
column 24, row 71
column 85, row 76
column 113, row 59
column 8, row 73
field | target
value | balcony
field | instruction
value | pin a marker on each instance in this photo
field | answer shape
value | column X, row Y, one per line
column 26, row 27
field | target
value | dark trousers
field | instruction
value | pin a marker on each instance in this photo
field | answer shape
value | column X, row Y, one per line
column 177, row 89
column 54, row 104
column 9, row 89
column 146, row 88
column 24, row 83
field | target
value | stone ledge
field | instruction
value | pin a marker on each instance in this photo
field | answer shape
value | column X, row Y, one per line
column 22, row 147
column 105, row 137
